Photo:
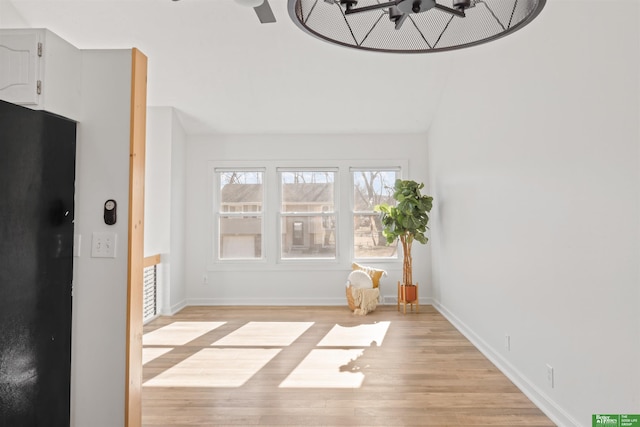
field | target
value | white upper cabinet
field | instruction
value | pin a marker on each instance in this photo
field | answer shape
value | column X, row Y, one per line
column 40, row 70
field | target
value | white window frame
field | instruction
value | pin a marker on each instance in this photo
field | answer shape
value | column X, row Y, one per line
column 334, row 213
column 271, row 222
column 218, row 213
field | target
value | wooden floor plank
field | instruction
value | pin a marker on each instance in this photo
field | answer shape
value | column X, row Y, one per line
column 322, row 366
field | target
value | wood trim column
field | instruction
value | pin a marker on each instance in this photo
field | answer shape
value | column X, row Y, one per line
column 152, row 260
column 133, row 389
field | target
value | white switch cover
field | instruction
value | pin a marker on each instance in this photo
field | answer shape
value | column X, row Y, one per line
column 77, row 241
column 103, row 245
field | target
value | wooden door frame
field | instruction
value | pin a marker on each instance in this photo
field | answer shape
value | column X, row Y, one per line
column 135, row 269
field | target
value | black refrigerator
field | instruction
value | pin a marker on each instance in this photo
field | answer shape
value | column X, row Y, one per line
column 37, row 174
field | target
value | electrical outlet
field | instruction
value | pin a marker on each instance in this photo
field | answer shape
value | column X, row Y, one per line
column 205, row 279
column 103, row 245
column 550, row 376
column 507, row 342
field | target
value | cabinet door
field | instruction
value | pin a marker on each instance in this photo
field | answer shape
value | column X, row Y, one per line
column 19, row 69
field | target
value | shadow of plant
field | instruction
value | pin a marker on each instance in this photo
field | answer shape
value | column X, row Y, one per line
column 362, row 362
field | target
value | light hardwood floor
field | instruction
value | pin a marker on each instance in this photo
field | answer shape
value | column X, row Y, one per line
column 321, row 366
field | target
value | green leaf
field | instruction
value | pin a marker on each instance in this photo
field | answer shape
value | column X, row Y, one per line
column 408, row 219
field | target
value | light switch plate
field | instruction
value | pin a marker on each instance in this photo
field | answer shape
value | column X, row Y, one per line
column 77, row 242
column 103, row 245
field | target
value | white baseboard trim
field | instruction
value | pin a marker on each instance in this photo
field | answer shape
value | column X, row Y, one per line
column 386, row 300
column 537, row 396
column 268, row 301
column 177, row 307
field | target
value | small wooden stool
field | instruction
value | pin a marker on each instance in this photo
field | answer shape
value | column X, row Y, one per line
column 402, row 299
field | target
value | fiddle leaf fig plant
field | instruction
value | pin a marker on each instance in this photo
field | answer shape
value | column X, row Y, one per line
column 407, row 221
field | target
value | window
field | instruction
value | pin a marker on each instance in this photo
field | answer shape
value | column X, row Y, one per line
column 291, row 214
column 371, row 188
column 240, row 214
column 308, row 217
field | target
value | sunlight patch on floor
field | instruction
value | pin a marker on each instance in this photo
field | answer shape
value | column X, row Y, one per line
column 326, row 369
column 151, row 353
column 215, row 367
column 274, row 334
column 356, row 336
column 179, row 333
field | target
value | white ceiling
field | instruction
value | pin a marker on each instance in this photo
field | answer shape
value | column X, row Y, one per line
column 224, row 72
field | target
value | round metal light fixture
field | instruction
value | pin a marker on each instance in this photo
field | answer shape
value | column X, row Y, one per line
column 412, row 26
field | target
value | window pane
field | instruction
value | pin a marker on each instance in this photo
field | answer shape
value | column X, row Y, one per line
column 241, row 191
column 240, row 219
column 371, row 188
column 240, row 237
column 308, row 236
column 308, row 191
column 368, row 241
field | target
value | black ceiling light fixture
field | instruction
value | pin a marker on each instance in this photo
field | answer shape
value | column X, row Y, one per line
column 412, row 26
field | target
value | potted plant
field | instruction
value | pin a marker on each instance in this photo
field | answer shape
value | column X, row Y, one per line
column 407, row 221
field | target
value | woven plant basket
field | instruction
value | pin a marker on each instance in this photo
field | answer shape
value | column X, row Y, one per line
column 352, row 304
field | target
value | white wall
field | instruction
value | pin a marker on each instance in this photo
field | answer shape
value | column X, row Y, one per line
column 272, row 283
column 164, row 204
column 534, row 166
column 178, row 294
column 157, row 199
column 100, row 284
column 157, row 181
column 10, row 17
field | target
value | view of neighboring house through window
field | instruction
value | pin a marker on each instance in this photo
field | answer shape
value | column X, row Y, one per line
column 308, row 214
column 371, row 188
column 284, row 212
column 240, row 213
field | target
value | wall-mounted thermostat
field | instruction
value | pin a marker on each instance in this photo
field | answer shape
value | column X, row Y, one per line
column 110, row 207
